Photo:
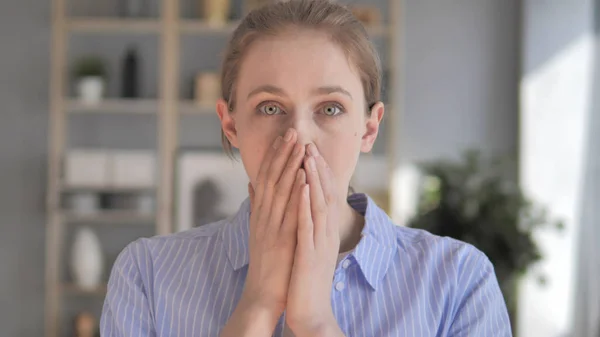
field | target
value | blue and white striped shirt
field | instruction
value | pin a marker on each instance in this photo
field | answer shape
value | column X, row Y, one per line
column 397, row 281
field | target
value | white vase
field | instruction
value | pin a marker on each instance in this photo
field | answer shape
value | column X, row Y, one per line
column 87, row 262
column 90, row 89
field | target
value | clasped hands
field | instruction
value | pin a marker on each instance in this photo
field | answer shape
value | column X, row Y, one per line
column 294, row 241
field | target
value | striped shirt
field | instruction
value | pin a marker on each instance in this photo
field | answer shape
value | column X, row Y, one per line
column 397, row 281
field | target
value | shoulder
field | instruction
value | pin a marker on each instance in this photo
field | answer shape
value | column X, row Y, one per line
column 456, row 256
column 464, row 279
column 174, row 248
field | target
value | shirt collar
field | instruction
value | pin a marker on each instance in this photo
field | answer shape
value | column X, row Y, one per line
column 373, row 253
column 378, row 244
column 235, row 236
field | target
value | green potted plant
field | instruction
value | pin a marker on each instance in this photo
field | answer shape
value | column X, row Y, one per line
column 477, row 201
column 90, row 76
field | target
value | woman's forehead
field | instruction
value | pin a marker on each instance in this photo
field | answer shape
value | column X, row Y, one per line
column 305, row 62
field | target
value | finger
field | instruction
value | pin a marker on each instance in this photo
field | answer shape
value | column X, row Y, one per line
column 305, row 223
column 275, row 168
column 290, row 219
column 325, row 176
column 329, row 191
column 264, row 167
column 274, row 173
column 254, row 230
column 283, row 190
column 317, row 199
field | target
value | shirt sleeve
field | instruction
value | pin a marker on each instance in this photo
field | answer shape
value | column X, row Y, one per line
column 480, row 310
column 127, row 309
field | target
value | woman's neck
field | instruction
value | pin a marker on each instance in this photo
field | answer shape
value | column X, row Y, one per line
column 351, row 225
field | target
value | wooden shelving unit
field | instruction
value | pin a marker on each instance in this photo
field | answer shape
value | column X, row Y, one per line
column 110, row 218
column 193, row 108
column 107, row 189
column 74, row 290
column 114, row 106
column 200, row 27
column 168, row 108
column 110, row 25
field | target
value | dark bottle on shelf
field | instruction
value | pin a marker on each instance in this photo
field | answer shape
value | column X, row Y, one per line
column 130, row 74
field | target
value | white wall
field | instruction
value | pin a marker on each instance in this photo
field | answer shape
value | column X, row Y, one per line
column 460, row 76
column 457, row 83
column 556, row 106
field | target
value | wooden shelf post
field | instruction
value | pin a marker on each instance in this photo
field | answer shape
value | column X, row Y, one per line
column 168, row 114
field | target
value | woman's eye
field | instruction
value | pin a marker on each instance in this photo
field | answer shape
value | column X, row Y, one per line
column 270, row 109
column 332, row 110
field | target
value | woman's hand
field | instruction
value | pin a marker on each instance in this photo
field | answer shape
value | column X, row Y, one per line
column 309, row 311
column 272, row 240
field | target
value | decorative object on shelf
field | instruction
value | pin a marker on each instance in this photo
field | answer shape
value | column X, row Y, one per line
column 133, row 169
column 209, row 187
column 478, row 202
column 368, row 15
column 85, row 324
column 83, row 203
column 90, row 77
column 133, row 8
column 130, row 81
column 207, row 88
column 250, row 5
column 87, row 262
column 87, row 167
column 216, row 12
column 115, row 201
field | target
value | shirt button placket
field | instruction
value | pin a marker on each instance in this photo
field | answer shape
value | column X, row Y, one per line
column 339, row 283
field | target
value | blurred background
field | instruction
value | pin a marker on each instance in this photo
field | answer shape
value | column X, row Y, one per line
column 108, row 134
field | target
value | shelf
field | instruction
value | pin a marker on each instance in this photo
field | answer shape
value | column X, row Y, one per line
column 72, row 289
column 191, row 26
column 114, row 106
column 110, row 218
column 107, row 189
column 191, row 108
column 112, row 25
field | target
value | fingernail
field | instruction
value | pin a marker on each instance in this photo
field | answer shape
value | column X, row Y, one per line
column 288, row 135
column 277, row 143
column 297, row 149
column 311, row 164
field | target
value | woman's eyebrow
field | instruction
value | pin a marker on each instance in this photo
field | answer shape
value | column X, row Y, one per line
column 271, row 89
column 331, row 90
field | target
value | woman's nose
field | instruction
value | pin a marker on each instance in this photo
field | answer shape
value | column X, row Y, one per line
column 303, row 129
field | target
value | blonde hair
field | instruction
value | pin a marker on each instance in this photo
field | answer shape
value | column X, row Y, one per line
column 334, row 19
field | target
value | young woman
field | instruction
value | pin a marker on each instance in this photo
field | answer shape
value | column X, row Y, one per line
column 300, row 87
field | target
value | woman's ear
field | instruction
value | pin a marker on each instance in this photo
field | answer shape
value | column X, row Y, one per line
column 227, row 122
column 372, row 127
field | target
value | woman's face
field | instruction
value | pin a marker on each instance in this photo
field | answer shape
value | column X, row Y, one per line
column 301, row 80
